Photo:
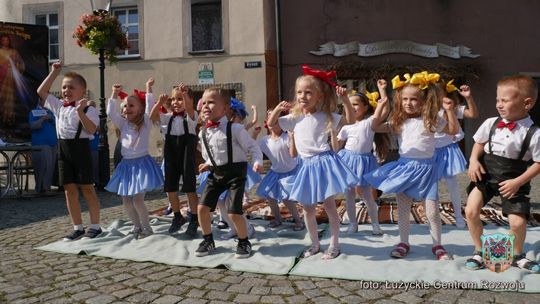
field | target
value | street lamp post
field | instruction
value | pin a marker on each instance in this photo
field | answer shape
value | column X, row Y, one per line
column 103, row 147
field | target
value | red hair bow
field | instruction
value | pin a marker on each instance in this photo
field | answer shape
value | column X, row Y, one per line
column 122, row 95
column 140, row 94
column 325, row 76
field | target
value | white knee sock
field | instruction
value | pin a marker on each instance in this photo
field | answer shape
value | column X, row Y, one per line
column 455, row 196
column 127, row 201
column 433, row 215
column 311, row 224
column 142, row 211
column 404, row 214
column 372, row 208
column 350, row 195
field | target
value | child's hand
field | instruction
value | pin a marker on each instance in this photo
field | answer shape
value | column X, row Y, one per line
column 116, row 89
column 258, row 168
column 448, row 104
column 284, row 106
column 465, row 91
column 381, row 84
column 149, row 83
column 382, row 102
column 509, row 188
column 184, row 89
column 82, row 104
column 476, row 170
column 203, row 167
column 56, row 66
column 341, row 92
column 162, row 99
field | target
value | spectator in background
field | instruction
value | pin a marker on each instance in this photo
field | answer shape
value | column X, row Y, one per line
column 42, row 124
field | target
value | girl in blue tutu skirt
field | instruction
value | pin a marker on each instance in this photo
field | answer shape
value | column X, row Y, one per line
column 356, row 144
column 415, row 120
column 449, row 159
column 322, row 173
column 137, row 172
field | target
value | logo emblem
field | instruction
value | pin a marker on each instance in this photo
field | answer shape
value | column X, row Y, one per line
column 498, row 251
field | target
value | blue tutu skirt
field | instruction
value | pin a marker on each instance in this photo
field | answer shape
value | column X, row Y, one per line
column 252, row 178
column 449, row 161
column 360, row 163
column 320, row 177
column 277, row 186
column 136, row 175
column 416, row 178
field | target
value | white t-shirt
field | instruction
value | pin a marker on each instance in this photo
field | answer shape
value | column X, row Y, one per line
column 415, row 141
column 242, row 144
column 67, row 119
column 310, row 133
column 442, row 139
column 134, row 144
column 508, row 143
column 359, row 136
column 277, row 150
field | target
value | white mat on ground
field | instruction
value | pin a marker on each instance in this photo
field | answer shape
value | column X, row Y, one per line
column 366, row 257
column 274, row 250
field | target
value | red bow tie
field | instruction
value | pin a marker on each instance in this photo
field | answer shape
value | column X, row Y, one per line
column 180, row 114
column 510, row 125
column 212, row 124
column 69, row 104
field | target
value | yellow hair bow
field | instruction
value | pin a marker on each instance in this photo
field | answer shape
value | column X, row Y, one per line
column 450, row 87
column 353, row 92
column 424, row 78
column 397, row 83
column 372, row 97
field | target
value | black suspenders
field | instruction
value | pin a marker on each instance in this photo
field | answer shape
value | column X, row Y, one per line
column 80, row 126
column 526, row 141
column 229, row 145
column 169, row 125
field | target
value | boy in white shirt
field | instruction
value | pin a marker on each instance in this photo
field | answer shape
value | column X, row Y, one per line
column 499, row 166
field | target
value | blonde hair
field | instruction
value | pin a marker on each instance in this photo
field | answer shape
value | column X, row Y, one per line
column 431, row 104
column 327, row 105
column 139, row 120
column 525, row 84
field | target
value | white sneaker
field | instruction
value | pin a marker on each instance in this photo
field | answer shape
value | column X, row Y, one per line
column 377, row 230
column 146, row 232
column 353, row 228
column 229, row 235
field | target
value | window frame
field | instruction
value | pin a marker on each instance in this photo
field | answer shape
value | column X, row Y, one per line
column 224, row 29
column 31, row 11
column 51, row 27
column 139, row 23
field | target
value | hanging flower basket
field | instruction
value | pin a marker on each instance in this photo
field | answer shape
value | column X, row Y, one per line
column 100, row 30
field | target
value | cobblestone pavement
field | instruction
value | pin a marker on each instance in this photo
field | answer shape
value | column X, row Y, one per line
column 33, row 276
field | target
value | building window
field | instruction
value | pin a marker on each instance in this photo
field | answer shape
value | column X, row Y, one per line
column 206, row 26
column 129, row 18
column 51, row 20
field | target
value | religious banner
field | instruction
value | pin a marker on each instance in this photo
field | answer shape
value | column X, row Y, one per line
column 394, row 46
column 23, row 66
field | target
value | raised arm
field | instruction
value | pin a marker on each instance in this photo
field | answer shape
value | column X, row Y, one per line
column 255, row 118
column 453, row 124
column 472, row 110
column 378, row 124
column 381, row 86
column 149, row 97
column 112, row 112
column 154, row 114
column 44, row 88
column 274, row 115
column 347, row 107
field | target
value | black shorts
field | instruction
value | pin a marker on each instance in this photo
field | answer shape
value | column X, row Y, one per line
column 75, row 162
column 179, row 161
column 518, row 204
column 231, row 177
